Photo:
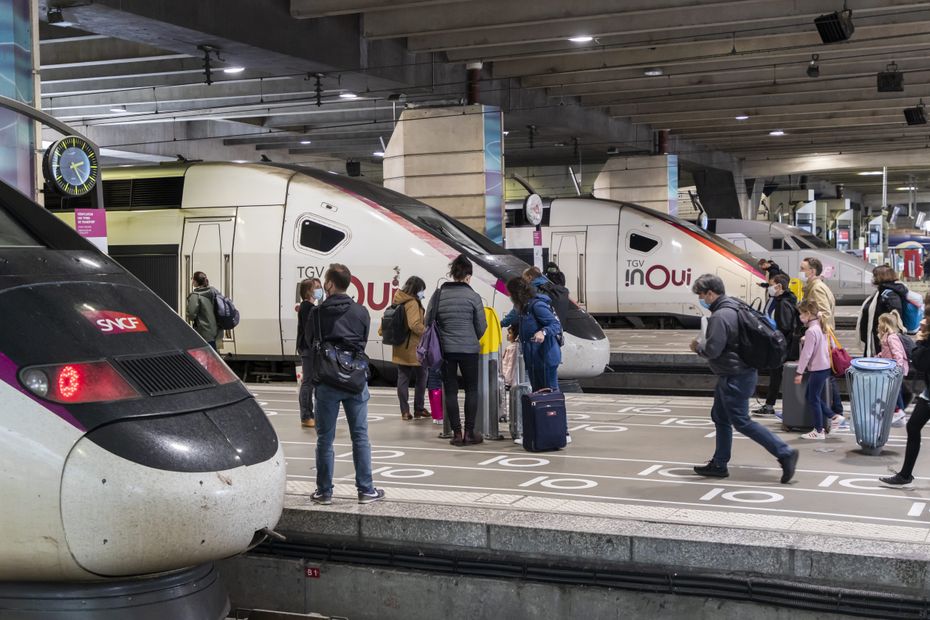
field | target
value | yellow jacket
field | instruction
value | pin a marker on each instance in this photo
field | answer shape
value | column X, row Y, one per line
column 820, row 293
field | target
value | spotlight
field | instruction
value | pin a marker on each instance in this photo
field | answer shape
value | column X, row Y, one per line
column 378, row 153
column 813, row 69
column 348, row 96
column 305, row 141
column 233, row 70
column 654, row 72
column 890, row 80
column 835, row 27
column 776, row 132
column 741, row 117
column 55, row 17
column 582, row 38
column 916, row 116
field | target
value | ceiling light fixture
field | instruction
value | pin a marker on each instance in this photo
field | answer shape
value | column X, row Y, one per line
column 653, row 72
column 742, row 117
column 870, row 173
column 916, row 115
column 835, row 27
column 813, row 68
column 909, row 188
column 890, row 80
column 118, row 109
column 378, row 153
column 776, row 132
column 232, row 70
column 305, row 141
column 348, row 96
column 581, row 38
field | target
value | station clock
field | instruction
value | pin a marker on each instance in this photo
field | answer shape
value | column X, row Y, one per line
column 71, row 166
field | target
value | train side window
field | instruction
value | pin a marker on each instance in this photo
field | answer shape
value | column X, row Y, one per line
column 319, row 237
column 778, row 243
column 641, row 243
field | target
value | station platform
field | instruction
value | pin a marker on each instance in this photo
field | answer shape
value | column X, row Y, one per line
column 621, row 495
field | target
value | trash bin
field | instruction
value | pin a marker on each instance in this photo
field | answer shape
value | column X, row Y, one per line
column 873, row 391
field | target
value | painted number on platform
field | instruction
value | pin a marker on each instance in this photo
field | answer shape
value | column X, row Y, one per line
column 743, row 497
column 562, row 484
column 644, row 410
column 402, row 473
column 687, row 422
column 516, row 461
column 599, row 428
column 312, row 572
column 376, row 454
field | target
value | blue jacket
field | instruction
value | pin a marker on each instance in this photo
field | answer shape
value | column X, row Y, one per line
column 538, row 316
column 511, row 317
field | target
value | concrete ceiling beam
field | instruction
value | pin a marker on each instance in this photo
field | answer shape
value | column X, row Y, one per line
column 314, row 9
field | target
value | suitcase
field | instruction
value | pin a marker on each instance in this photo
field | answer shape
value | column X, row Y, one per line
column 515, row 415
column 544, row 420
column 795, row 414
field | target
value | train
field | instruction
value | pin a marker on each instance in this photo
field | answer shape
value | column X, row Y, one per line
column 257, row 230
column 626, row 262
column 127, row 446
column 849, row 277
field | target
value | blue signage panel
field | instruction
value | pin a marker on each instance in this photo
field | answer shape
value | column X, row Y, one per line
column 17, row 133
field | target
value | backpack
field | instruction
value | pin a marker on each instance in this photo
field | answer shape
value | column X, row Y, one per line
column 908, row 343
column 429, row 350
column 394, row 328
column 227, row 317
column 559, row 335
column 759, row 344
column 913, row 311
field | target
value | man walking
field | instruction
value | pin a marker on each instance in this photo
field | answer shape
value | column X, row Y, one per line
column 816, row 289
column 344, row 323
column 200, row 309
column 736, row 382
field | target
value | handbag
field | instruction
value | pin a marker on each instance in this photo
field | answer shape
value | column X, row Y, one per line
column 840, row 361
column 338, row 367
column 429, row 350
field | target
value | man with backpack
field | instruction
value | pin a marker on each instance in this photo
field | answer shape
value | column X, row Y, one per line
column 201, row 311
column 736, row 382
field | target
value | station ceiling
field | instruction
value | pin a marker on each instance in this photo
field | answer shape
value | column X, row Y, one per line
column 131, row 72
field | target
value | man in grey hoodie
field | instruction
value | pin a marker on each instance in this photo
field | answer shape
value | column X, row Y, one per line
column 736, row 383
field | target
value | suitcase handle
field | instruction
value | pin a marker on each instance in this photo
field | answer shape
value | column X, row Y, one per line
column 543, row 391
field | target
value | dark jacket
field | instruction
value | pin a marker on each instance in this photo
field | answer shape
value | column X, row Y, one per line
column 557, row 294
column 889, row 296
column 784, row 310
column 201, row 314
column 720, row 344
column 338, row 320
column 538, row 315
column 303, row 313
column 460, row 313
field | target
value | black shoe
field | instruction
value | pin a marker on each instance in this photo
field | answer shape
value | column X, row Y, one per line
column 711, row 470
column 788, row 465
column 473, row 439
column 897, row 481
column 457, row 439
column 764, row 410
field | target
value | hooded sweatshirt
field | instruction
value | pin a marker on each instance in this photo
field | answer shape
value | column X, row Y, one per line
column 338, row 320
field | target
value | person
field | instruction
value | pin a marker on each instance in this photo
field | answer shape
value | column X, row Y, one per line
column 818, row 291
column 736, row 382
column 459, row 311
column 769, row 269
column 200, row 309
column 926, row 268
column 781, row 308
column 890, row 329
column 404, row 356
column 311, row 294
column 890, row 295
column 345, row 323
column 815, row 361
column 554, row 274
column 538, row 282
column 905, row 476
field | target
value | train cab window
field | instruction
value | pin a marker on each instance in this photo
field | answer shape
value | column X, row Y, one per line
column 641, row 243
column 12, row 235
column 778, row 243
column 319, row 237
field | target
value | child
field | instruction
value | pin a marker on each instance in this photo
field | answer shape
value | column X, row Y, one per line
column 889, row 330
column 815, row 359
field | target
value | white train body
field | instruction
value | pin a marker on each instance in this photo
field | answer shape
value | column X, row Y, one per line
column 257, row 230
column 849, row 277
column 621, row 259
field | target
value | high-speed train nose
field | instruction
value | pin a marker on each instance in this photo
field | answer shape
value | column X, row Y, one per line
column 583, row 358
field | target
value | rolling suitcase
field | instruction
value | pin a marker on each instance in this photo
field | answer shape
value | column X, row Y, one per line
column 543, row 420
column 515, row 406
column 795, row 414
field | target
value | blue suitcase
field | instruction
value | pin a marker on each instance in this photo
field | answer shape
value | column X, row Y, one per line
column 543, row 420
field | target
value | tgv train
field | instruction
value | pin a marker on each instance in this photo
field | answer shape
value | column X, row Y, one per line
column 257, row 230
column 849, row 277
column 127, row 447
column 621, row 259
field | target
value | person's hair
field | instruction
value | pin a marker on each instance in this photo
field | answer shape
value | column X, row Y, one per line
column 339, row 275
column 883, row 274
column 890, row 323
column 460, row 268
column 809, row 306
column 201, row 279
column 708, row 283
column 815, row 264
column 531, row 273
column 765, row 261
column 521, row 292
column 307, row 285
column 414, row 285
column 782, row 280
column 551, row 267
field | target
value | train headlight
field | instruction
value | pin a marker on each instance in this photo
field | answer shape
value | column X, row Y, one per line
column 36, row 382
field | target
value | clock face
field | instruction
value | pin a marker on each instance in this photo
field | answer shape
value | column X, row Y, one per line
column 533, row 208
column 71, row 166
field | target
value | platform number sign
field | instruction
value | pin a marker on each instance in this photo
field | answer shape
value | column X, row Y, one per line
column 71, row 166
column 311, row 572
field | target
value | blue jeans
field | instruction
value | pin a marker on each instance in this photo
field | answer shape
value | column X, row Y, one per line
column 543, row 376
column 327, row 414
column 814, row 395
column 731, row 410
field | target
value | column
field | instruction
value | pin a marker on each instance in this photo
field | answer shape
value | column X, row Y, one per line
column 18, row 60
column 649, row 180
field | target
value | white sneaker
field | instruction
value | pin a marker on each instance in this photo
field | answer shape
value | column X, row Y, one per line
column 568, row 438
column 814, row 435
column 899, row 420
column 518, row 441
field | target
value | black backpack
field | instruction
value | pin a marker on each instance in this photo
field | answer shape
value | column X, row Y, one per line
column 394, row 328
column 908, row 343
column 920, row 356
column 227, row 316
column 759, row 344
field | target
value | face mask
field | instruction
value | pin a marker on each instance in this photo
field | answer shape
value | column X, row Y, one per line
column 421, row 295
column 704, row 304
column 318, row 294
column 802, row 276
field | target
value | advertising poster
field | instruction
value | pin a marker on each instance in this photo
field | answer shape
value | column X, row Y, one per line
column 493, row 174
column 16, row 131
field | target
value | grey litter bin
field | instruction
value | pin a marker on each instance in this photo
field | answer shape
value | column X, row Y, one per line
column 873, row 391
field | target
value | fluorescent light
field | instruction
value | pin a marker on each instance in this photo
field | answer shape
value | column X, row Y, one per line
column 118, row 109
column 305, row 141
column 742, row 117
column 777, row 132
column 233, row 69
column 870, row 173
column 581, row 38
column 654, row 72
column 348, row 96
column 506, row 133
column 378, row 153
column 905, row 189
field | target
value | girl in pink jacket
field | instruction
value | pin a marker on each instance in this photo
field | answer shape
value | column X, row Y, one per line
column 889, row 332
column 815, row 360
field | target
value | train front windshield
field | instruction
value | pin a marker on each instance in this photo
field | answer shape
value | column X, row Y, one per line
column 12, row 235
column 444, row 226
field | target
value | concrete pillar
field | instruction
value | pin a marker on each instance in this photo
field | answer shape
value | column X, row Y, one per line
column 649, row 180
column 19, row 81
column 450, row 158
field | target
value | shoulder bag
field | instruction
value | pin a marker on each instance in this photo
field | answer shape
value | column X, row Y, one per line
column 839, row 357
column 429, row 351
column 338, row 367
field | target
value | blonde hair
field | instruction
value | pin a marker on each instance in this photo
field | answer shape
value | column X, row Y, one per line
column 890, row 323
column 809, row 306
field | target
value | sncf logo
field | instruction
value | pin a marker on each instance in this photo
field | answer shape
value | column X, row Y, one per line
column 111, row 322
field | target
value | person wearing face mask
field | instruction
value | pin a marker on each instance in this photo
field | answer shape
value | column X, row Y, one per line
column 736, row 383
column 404, row 356
column 782, row 308
column 890, row 295
column 815, row 361
column 311, row 294
column 817, row 291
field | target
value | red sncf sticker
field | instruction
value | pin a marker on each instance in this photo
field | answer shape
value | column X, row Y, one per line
column 112, row 322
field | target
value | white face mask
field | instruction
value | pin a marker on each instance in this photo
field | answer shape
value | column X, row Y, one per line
column 421, row 295
column 802, row 275
column 772, row 291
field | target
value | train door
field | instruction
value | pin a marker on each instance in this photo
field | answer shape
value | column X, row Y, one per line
column 568, row 251
column 207, row 246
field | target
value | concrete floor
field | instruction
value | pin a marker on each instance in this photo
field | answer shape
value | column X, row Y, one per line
column 631, row 458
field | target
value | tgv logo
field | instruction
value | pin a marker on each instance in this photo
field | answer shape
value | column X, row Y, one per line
column 112, row 322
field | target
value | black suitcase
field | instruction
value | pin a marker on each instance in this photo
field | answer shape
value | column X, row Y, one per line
column 795, row 414
column 544, row 420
